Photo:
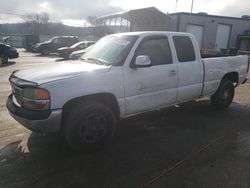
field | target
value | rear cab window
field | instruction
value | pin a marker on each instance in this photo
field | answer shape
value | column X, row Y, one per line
column 184, row 48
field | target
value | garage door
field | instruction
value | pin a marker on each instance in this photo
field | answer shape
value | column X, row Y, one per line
column 197, row 31
column 222, row 37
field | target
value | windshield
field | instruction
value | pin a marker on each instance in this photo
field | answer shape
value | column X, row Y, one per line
column 110, row 50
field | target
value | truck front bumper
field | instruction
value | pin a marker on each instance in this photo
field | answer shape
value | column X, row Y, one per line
column 39, row 121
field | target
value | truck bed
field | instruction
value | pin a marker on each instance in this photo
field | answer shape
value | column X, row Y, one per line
column 216, row 67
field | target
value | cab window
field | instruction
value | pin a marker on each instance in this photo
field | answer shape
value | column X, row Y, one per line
column 157, row 49
column 184, row 48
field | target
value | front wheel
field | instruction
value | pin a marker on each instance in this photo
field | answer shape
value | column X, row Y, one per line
column 89, row 126
column 45, row 51
column 4, row 59
column 224, row 95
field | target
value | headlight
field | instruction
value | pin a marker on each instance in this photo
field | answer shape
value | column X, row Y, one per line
column 36, row 93
column 35, row 98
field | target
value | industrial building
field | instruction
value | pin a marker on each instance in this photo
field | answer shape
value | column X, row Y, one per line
column 146, row 19
column 211, row 31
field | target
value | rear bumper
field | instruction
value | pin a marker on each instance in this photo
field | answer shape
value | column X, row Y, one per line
column 38, row 121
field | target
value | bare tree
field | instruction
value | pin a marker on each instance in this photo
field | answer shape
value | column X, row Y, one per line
column 40, row 18
column 92, row 20
column 97, row 29
column 37, row 22
column 44, row 17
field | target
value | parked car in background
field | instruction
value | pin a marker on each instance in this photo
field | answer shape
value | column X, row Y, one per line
column 66, row 51
column 77, row 54
column 7, row 52
column 120, row 76
column 54, row 43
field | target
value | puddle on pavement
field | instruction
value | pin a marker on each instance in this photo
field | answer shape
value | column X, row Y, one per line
column 11, row 148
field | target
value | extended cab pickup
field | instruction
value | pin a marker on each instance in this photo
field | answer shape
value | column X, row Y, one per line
column 120, row 76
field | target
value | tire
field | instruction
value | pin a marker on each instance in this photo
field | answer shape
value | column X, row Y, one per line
column 224, row 95
column 89, row 126
column 4, row 59
column 45, row 51
column 66, row 56
column 1, row 61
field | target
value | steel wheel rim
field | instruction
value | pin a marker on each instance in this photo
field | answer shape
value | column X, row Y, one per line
column 93, row 128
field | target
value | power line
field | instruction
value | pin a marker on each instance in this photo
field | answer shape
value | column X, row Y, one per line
column 9, row 13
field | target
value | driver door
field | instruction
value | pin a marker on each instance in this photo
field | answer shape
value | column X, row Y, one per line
column 155, row 86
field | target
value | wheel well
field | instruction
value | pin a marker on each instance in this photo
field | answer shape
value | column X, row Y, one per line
column 104, row 98
column 232, row 76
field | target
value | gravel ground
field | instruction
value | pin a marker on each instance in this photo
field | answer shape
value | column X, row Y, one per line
column 143, row 148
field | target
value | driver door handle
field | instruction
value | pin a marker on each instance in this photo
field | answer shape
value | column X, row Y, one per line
column 172, row 73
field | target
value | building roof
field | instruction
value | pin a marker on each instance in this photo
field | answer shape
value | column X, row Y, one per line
column 150, row 13
column 208, row 15
column 145, row 33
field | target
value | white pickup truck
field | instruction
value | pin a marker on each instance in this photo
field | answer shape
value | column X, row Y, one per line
column 120, row 76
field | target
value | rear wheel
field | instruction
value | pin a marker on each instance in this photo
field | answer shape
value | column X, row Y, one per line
column 89, row 125
column 224, row 95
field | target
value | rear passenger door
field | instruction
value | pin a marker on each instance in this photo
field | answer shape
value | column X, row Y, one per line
column 65, row 42
column 190, row 70
column 56, row 43
column 151, row 87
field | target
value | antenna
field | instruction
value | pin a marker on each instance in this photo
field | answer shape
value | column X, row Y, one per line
column 192, row 5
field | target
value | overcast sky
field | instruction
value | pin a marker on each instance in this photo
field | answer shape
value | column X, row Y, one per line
column 70, row 10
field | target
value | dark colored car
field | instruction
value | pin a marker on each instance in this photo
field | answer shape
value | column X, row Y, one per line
column 77, row 54
column 7, row 52
column 66, row 51
column 54, row 43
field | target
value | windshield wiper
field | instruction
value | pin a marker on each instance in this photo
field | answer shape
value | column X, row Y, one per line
column 97, row 61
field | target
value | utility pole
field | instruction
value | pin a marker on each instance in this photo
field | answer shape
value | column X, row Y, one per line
column 176, row 2
column 174, row 20
column 192, row 5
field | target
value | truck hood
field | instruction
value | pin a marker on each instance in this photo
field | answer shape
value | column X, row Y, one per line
column 57, row 71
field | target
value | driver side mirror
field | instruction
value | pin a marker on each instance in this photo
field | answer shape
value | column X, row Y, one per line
column 142, row 61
